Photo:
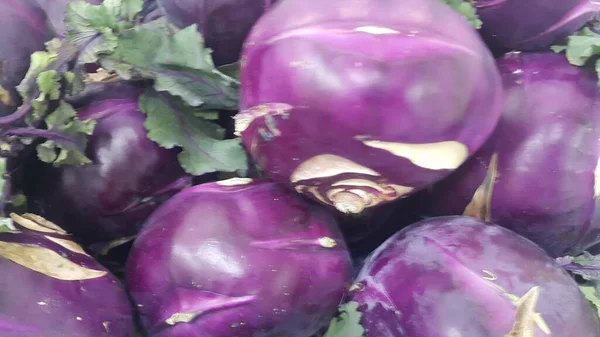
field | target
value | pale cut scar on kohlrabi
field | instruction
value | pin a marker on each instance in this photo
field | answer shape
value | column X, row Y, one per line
column 36, row 223
column 447, row 155
column 235, row 181
column 480, row 206
column 47, row 262
column 347, row 195
column 246, row 117
column 328, row 165
column 526, row 316
column 597, row 180
column 225, row 304
column 68, row 244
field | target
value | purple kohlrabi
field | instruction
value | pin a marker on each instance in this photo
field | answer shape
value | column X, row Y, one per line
column 224, row 24
column 238, row 258
column 24, row 30
column 358, row 105
column 52, row 288
column 539, row 174
column 130, row 174
column 459, row 276
column 532, row 24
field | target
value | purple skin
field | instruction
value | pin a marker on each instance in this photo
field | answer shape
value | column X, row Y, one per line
column 532, row 24
column 458, row 276
column 225, row 24
column 543, row 182
column 55, row 11
column 238, row 258
column 360, row 107
column 53, row 289
column 129, row 177
column 20, row 18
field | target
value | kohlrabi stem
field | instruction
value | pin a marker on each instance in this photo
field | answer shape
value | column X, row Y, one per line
column 35, row 133
column 573, row 267
column 148, row 8
column 21, row 112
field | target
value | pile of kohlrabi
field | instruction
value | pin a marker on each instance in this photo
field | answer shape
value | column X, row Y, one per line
column 299, row 168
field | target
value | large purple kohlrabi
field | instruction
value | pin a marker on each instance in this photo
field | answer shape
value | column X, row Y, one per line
column 224, row 24
column 358, row 105
column 238, row 258
column 459, row 276
column 532, row 24
column 539, row 173
column 52, row 288
column 24, row 30
column 130, row 174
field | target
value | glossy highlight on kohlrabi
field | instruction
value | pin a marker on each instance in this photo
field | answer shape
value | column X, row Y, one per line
column 238, row 257
column 52, row 288
column 532, row 24
column 129, row 176
column 224, row 24
column 24, row 30
column 459, row 276
column 358, row 104
column 539, row 174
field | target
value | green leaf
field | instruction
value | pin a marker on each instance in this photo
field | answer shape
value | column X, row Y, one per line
column 170, row 123
column 124, row 10
column 38, row 78
column 7, row 226
column 83, row 21
column 75, row 81
column 581, row 48
column 43, row 81
column 40, row 61
column 347, row 323
column 466, row 9
column 591, row 295
column 232, row 70
column 67, row 144
column 135, row 53
column 49, row 85
column 102, row 44
column 558, row 48
column 208, row 114
column 19, row 200
column 587, row 259
column 178, row 63
column 47, row 152
column 92, row 26
column 5, row 96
